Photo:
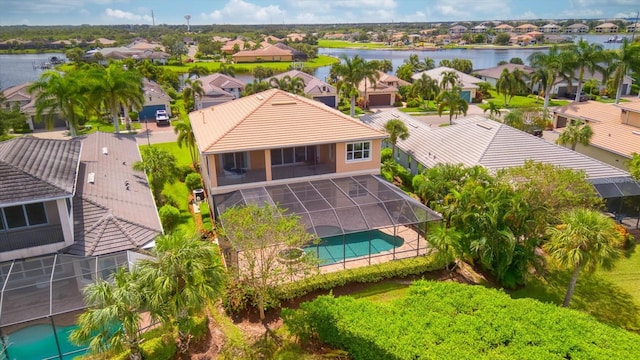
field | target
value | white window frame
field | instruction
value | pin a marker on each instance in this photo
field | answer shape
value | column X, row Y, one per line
column 365, row 144
column 5, row 224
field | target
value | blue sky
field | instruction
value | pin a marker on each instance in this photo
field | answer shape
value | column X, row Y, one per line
column 97, row 12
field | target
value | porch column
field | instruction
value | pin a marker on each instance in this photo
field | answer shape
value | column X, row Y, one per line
column 267, row 164
column 66, row 220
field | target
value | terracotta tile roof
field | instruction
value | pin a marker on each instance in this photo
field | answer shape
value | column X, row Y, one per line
column 633, row 106
column 37, row 169
column 273, row 119
column 504, row 26
column 605, row 120
column 271, row 50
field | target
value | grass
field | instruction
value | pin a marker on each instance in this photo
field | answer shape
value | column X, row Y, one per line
column 343, row 44
column 521, row 101
column 383, row 292
column 626, row 274
column 245, row 68
column 181, row 153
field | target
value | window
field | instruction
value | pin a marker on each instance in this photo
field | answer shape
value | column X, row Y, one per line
column 359, row 151
column 19, row 216
column 300, row 154
column 234, row 161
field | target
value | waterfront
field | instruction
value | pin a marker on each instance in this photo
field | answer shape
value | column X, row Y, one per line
column 18, row 69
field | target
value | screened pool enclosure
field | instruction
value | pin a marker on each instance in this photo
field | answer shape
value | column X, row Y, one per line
column 339, row 207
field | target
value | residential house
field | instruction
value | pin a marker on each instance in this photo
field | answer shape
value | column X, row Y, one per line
column 383, row 92
column 337, row 36
column 576, row 29
column 616, row 129
column 525, row 28
column 19, row 96
column 314, row 88
column 145, row 45
column 551, row 28
column 230, row 46
column 476, row 140
column 457, row 30
column 503, row 28
column 272, row 39
column 633, row 28
column 296, row 37
column 275, row 52
column 607, row 28
column 491, row 75
column 522, row 40
column 479, row 29
column 155, row 98
column 562, row 89
column 467, row 83
column 219, row 88
column 274, row 137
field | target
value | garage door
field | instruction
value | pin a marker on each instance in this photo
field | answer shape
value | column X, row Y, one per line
column 380, row 100
column 149, row 112
column 466, row 95
column 58, row 123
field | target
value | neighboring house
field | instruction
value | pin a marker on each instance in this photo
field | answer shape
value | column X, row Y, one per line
column 268, row 53
column 219, row 88
column 383, row 92
column 577, row 29
column 491, row 75
column 633, row 28
column 522, row 40
column 551, row 28
column 120, row 53
column 73, row 196
column 273, row 137
column 562, row 89
column 315, row 88
column 503, row 28
column 457, row 30
column 479, row 29
column 145, row 46
column 607, row 28
column 155, row 98
column 19, row 95
column 467, row 83
column 229, row 46
column 295, row 37
column 525, row 28
column 615, row 129
column 272, row 39
column 476, row 140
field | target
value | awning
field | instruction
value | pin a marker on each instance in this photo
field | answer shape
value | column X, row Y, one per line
column 619, row 187
column 336, row 206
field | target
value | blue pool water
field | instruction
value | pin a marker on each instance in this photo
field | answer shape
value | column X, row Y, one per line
column 335, row 249
column 39, row 342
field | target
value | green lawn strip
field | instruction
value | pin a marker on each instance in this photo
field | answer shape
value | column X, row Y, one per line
column 383, row 291
column 343, row 44
column 245, row 68
column 206, row 217
column 626, row 274
column 181, row 153
column 521, row 101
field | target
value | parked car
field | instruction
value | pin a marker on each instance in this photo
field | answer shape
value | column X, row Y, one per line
column 162, row 118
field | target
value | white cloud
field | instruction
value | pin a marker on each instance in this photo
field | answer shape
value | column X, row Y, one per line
column 126, row 15
column 242, row 12
column 526, row 15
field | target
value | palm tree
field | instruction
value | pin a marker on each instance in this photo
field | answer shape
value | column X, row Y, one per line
column 192, row 93
column 199, row 71
column 426, row 87
column 511, row 83
column 187, row 137
column 294, row 85
column 61, row 95
column 227, row 70
column 185, row 275
column 370, row 75
column 255, row 87
column 396, row 129
column 117, row 88
column 587, row 56
column 160, row 166
column 118, row 302
column 350, row 72
column 585, row 239
column 494, row 110
column 454, row 102
column 555, row 64
column 449, row 78
column 575, row 134
column 625, row 59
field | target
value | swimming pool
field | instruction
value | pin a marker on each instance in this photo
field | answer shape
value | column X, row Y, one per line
column 337, row 248
column 39, row 342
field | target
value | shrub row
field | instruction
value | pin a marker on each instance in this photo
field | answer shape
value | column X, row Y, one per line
column 440, row 320
column 367, row 274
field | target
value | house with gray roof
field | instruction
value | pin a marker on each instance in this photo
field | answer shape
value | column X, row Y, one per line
column 219, row 88
column 78, row 196
column 491, row 75
column 314, row 88
column 467, row 83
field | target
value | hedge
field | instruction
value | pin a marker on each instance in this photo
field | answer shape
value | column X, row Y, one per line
column 439, row 320
column 367, row 274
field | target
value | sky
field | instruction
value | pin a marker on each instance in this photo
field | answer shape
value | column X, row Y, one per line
column 207, row 12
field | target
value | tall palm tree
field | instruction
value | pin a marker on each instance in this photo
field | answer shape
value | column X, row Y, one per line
column 227, row 70
column 118, row 302
column 425, row 87
column 453, row 102
column 350, row 72
column 61, row 95
column 192, row 93
column 585, row 240
column 396, row 129
column 160, row 166
column 624, row 60
column 187, row 137
column 199, row 71
column 510, row 84
column 575, row 134
column 550, row 67
column 255, row 87
column 587, row 56
column 294, row 85
column 185, row 275
column 118, row 88
column 370, row 75
column 449, row 78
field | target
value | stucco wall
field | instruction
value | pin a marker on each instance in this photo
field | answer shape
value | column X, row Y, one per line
column 604, row 156
column 372, row 164
column 631, row 118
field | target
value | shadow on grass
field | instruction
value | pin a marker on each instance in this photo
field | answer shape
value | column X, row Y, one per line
column 594, row 295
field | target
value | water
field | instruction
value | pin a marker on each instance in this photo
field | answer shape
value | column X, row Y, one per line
column 38, row 341
column 18, row 69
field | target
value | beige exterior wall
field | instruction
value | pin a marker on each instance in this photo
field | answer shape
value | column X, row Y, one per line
column 240, row 59
column 606, row 157
column 630, row 118
column 372, row 164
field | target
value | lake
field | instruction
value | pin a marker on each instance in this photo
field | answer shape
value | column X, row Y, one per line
column 18, row 69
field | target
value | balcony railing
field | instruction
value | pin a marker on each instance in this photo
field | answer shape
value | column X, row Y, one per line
column 30, row 237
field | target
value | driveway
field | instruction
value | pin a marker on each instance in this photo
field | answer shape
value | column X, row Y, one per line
column 156, row 134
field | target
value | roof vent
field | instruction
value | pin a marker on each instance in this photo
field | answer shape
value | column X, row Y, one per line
column 633, row 132
column 485, row 126
column 92, row 178
column 259, row 97
column 105, row 151
column 283, row 103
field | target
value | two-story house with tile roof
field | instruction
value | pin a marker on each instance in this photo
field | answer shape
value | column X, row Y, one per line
column 314, row 88
column 219, row 88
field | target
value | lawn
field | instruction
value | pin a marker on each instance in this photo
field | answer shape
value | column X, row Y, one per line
column 521, row 101
column 246, row 68
column 343, row 44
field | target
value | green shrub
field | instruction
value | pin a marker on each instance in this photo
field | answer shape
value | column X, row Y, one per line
column 414, row 103
column 170, row 199
column 193, row 181
column 387, row 154
column 197, row 326
column 169, row 217
column 184, row 171
column 160, row 348
column 446, row 320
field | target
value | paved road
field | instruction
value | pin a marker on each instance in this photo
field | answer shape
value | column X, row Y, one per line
column 157, row 134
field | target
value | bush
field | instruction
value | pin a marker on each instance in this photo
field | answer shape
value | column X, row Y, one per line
column 169, row 217
column 414, row 103
column 386, row 154
column 193, row 181
column 446, row 320
column 184, row 171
